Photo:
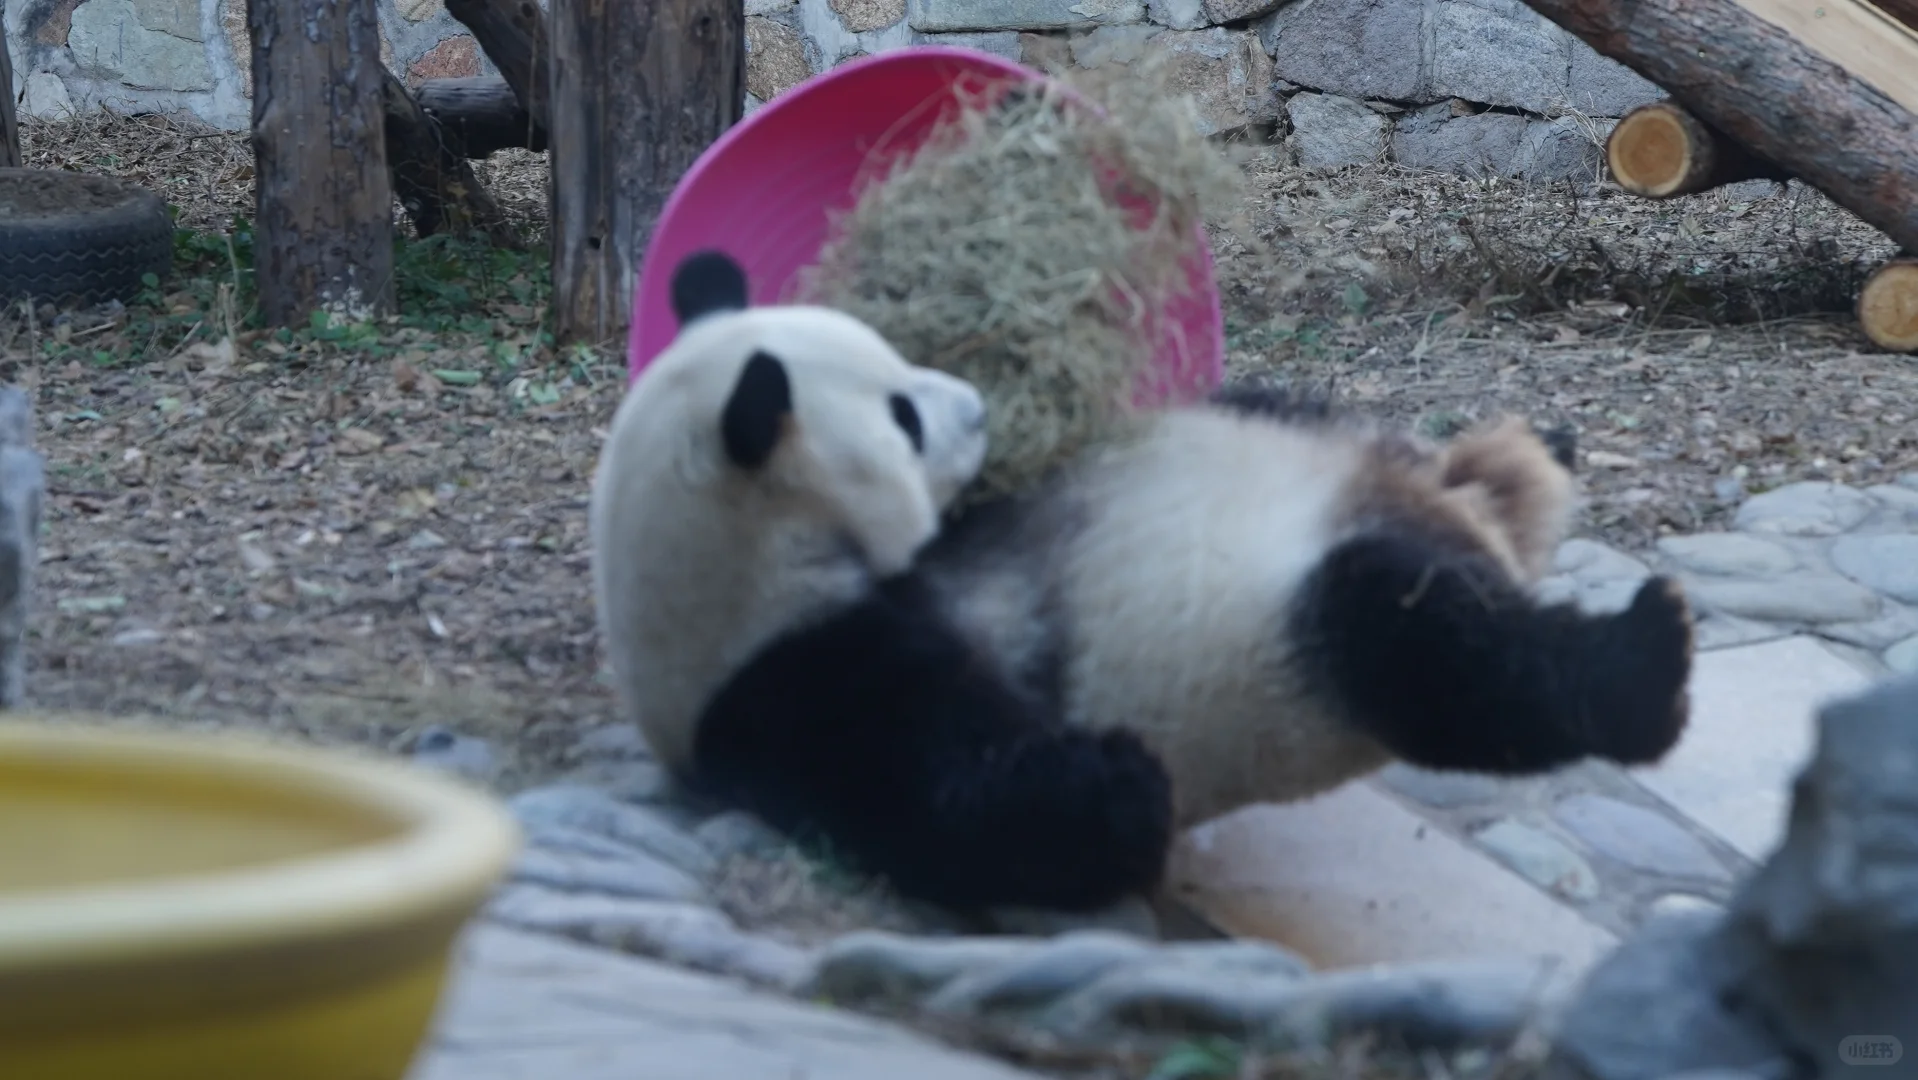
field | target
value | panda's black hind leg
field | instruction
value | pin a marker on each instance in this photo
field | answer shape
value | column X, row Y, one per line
column 1451, row 666
column 881, row 732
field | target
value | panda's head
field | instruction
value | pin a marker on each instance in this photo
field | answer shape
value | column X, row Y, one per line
column 812, row 416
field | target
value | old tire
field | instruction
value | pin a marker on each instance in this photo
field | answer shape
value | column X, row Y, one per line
column 78, row 238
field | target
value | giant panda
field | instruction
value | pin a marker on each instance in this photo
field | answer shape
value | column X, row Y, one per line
column 1023, row 702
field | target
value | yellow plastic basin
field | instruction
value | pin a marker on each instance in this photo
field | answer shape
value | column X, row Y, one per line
column 181, row 907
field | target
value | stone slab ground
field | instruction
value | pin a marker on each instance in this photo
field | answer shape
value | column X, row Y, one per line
column 529, row 1006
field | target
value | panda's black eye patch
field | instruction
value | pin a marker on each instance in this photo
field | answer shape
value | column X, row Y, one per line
column 906, row 415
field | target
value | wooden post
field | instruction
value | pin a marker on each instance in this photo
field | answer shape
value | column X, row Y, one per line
column 1888, row 306
column 1754, row 81
column 1661, row 151
column 638, row 91
column 324, row 232
column 9, row 125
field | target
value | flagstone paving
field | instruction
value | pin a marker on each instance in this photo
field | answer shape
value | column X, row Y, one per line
column 1812, row 595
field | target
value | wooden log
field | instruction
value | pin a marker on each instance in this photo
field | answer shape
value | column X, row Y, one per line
column 431, row 176
column 323, row 238
column 513, row 35
column 479, row 116
column 1905, row 11
column 638, row 93
column 1748, row 77
column 1888, row 306
column 1661, row 151
column 9, row 124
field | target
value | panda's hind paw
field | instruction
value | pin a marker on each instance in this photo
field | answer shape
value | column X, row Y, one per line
column 1639, row 671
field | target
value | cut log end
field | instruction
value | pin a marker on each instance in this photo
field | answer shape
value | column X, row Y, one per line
column 1888, row 306
column 1659, row 151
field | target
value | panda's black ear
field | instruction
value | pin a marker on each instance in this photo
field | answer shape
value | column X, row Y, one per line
column 706, row 282
column 756, row 414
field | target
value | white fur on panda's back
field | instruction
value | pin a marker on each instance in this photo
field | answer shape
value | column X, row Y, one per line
column 1198, row 534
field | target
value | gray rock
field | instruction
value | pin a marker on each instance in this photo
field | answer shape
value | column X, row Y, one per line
column 1132, row 915
column 45, row 97
column 1331, row 132
column 617, row 742
column 524, row 1006
column 1682, row 904
column 22, row 501
column 691, row 935
column 1593, row 561
column 942, row 16
column 1637, row 837
column 1887, row 563
column 1902, row 502
column 1806, row 598
column 881, row 968
column 588, row 810
column 1559, row 149
column 1178, row 14
column 1040, row 977
column 1248, row 957
column 1720, row 631
column 1167, row 1001
column 999, row 43
column 1601, row 86
column 1238, row 11
column 637, row 875
column 1727, row 554
column 736, row 832
column 1543, row 859
column 1808, row 508
column 1894, row 623
column 445, row 750
column 1356, row 48
column 1442, row 1005
column 1499, row 52
column 1903, row 657
column 638, row 780
column 1481, row 144
column 1835, row 911
column 1647, row 1010
column 1812, row 960
column 1447, row 790
column 1438, row 1005
column 1600, row 597
column 147, row 44
column 1225, row 73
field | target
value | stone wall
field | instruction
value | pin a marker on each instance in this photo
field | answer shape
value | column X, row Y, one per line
column 1473, row 86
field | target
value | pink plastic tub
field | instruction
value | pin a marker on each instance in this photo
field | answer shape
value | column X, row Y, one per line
column 762, row 194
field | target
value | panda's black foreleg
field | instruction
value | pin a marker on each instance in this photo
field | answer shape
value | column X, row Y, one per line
column 1449, row 664
column 881, row 733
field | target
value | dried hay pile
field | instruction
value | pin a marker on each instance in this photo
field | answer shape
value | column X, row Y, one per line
column 1029, row 246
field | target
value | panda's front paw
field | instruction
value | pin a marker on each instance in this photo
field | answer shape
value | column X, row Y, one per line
column 1639, row 673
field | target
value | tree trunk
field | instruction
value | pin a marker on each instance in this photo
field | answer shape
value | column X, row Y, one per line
column 430, row 174
column 9, row 126
column 1660, row 151
column 638, row 93
column 512, row 33
column 480, row 115
column 1762, row 86
column 324, row 228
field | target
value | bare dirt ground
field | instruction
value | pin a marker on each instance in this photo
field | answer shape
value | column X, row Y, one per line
column 350, row 533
